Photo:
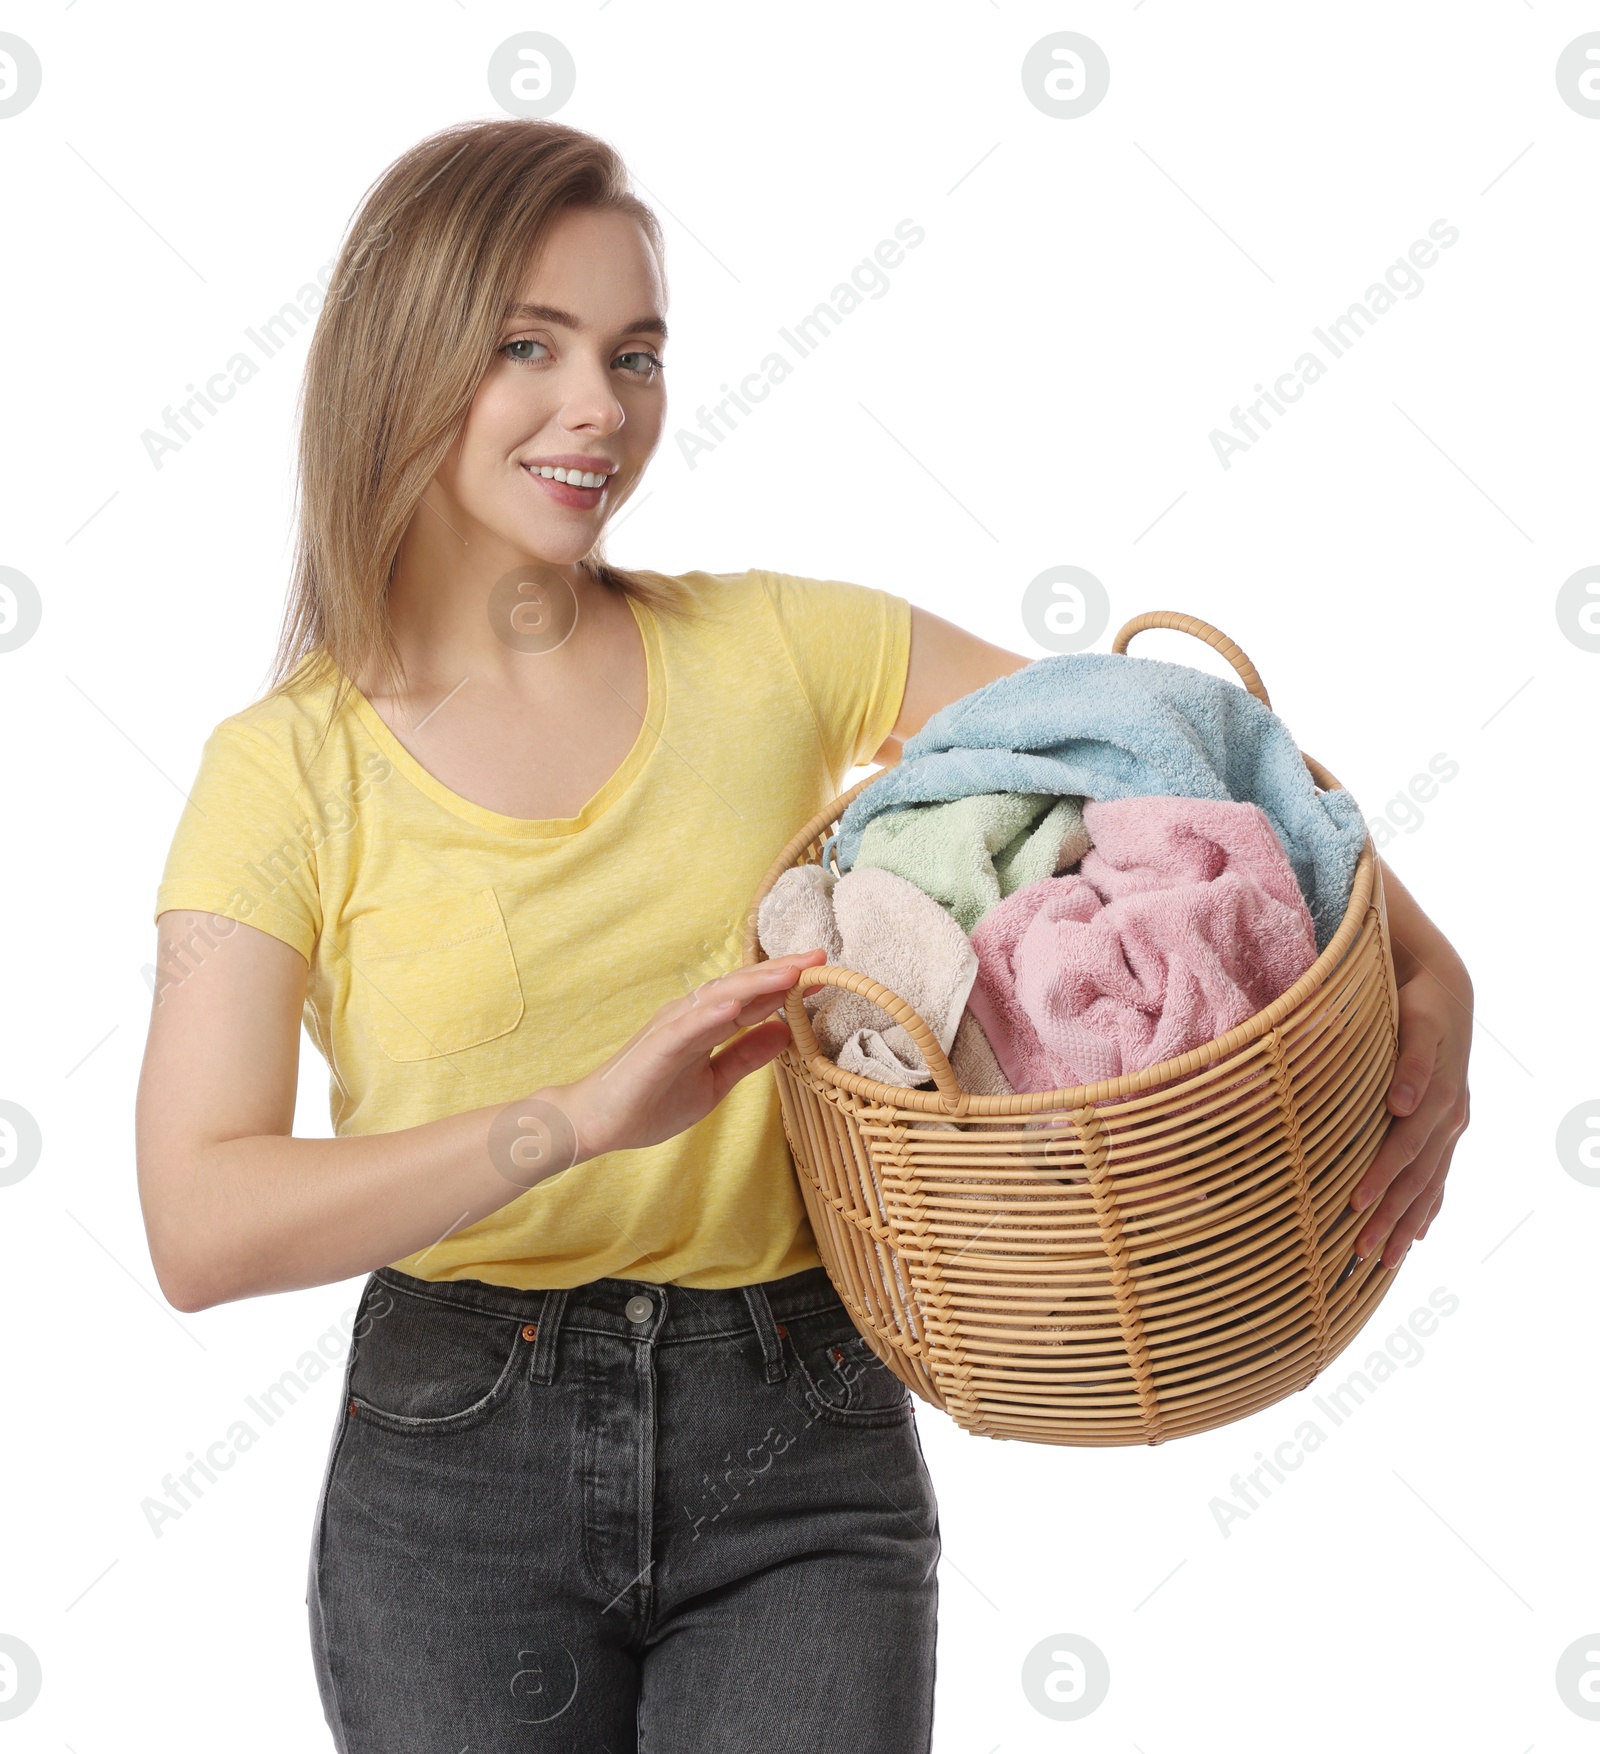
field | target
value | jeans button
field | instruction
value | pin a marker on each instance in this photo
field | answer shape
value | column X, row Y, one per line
column 638, row 1309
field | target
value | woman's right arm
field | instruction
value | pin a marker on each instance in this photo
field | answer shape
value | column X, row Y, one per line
column 234, row 1206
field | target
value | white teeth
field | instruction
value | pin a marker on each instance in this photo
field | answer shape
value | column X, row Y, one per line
column 572, row 477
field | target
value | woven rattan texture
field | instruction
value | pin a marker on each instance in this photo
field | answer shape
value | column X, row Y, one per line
column 1127, row 1262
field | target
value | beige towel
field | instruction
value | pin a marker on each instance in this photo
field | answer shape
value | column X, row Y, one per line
column 880, row 925
column 973, row 1062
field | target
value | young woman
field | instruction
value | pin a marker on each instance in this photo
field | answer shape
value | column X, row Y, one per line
column 612, row 1467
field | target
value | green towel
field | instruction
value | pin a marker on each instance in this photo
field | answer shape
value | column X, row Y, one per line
column 973, row 852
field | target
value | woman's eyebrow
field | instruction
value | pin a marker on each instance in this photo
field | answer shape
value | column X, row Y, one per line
column 651, row 325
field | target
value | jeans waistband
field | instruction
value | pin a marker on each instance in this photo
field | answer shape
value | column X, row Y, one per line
column 678, row 1313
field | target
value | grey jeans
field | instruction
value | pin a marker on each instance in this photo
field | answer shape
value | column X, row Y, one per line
column 624, row 1518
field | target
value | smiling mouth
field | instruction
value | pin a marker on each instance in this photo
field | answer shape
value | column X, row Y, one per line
column 584, row 480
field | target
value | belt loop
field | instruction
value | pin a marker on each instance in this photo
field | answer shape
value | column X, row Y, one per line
column 777, row 1366
column 543, row 1368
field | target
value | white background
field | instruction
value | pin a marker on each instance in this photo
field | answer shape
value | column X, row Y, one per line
column 1090, row 302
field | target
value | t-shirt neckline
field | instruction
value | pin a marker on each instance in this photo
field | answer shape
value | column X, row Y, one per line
column 527, row 827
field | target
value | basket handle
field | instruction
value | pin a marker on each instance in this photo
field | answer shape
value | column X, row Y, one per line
column 1203, row 630
column 830, row 975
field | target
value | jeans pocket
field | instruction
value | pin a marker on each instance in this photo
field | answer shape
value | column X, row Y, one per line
column 843, row 1380
column 424, row 1364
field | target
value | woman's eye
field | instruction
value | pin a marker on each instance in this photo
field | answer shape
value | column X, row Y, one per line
column 641, row 360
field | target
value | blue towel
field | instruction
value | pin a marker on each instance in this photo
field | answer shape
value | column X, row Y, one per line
column 1100, row 725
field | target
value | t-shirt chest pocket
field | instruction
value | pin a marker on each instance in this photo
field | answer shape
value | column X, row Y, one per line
column 434, row 977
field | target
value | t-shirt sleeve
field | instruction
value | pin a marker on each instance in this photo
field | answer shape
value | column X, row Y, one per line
column 851, row 647
column 243, row 846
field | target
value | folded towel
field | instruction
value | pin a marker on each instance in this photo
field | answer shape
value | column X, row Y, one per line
column 1098, row 725
column 973, row 1061
column 1183, row 920
column 970, row 854
column 879, row 925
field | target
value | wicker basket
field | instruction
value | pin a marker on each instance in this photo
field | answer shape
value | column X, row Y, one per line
column 1124, row 1262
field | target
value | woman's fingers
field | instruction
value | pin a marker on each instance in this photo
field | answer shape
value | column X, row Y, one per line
column 1403, row 1144
column 759, row 991
column 1410, row 1224
column 1407, row 1207
column 1422, row 1031
column 769, row 997
column 1414, row 1097
column 762, row 989
column 747, row 1054
column 1427, row 1096
column 668, row 1075
column 687, row 1029
column 1393, row 1224
column 1433, row 1212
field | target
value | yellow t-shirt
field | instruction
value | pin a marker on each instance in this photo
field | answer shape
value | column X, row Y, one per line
column 460, row 958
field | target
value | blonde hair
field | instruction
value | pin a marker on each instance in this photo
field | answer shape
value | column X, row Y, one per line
column 413, row 313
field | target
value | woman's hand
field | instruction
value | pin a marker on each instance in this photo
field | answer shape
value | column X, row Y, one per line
column 235, row 1206
column 1404, row 1187
column 667, row 1076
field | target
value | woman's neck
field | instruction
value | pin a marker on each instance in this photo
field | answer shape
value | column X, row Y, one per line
column 464, row 602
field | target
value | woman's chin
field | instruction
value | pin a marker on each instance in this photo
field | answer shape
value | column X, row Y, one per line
column 542, row 546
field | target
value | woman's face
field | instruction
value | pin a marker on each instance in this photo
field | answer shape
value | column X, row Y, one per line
column 575, row 386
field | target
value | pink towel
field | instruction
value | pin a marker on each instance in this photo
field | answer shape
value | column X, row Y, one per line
column 1182, row 921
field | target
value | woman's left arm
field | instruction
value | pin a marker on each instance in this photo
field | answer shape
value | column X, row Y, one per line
column 1428, row 1091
